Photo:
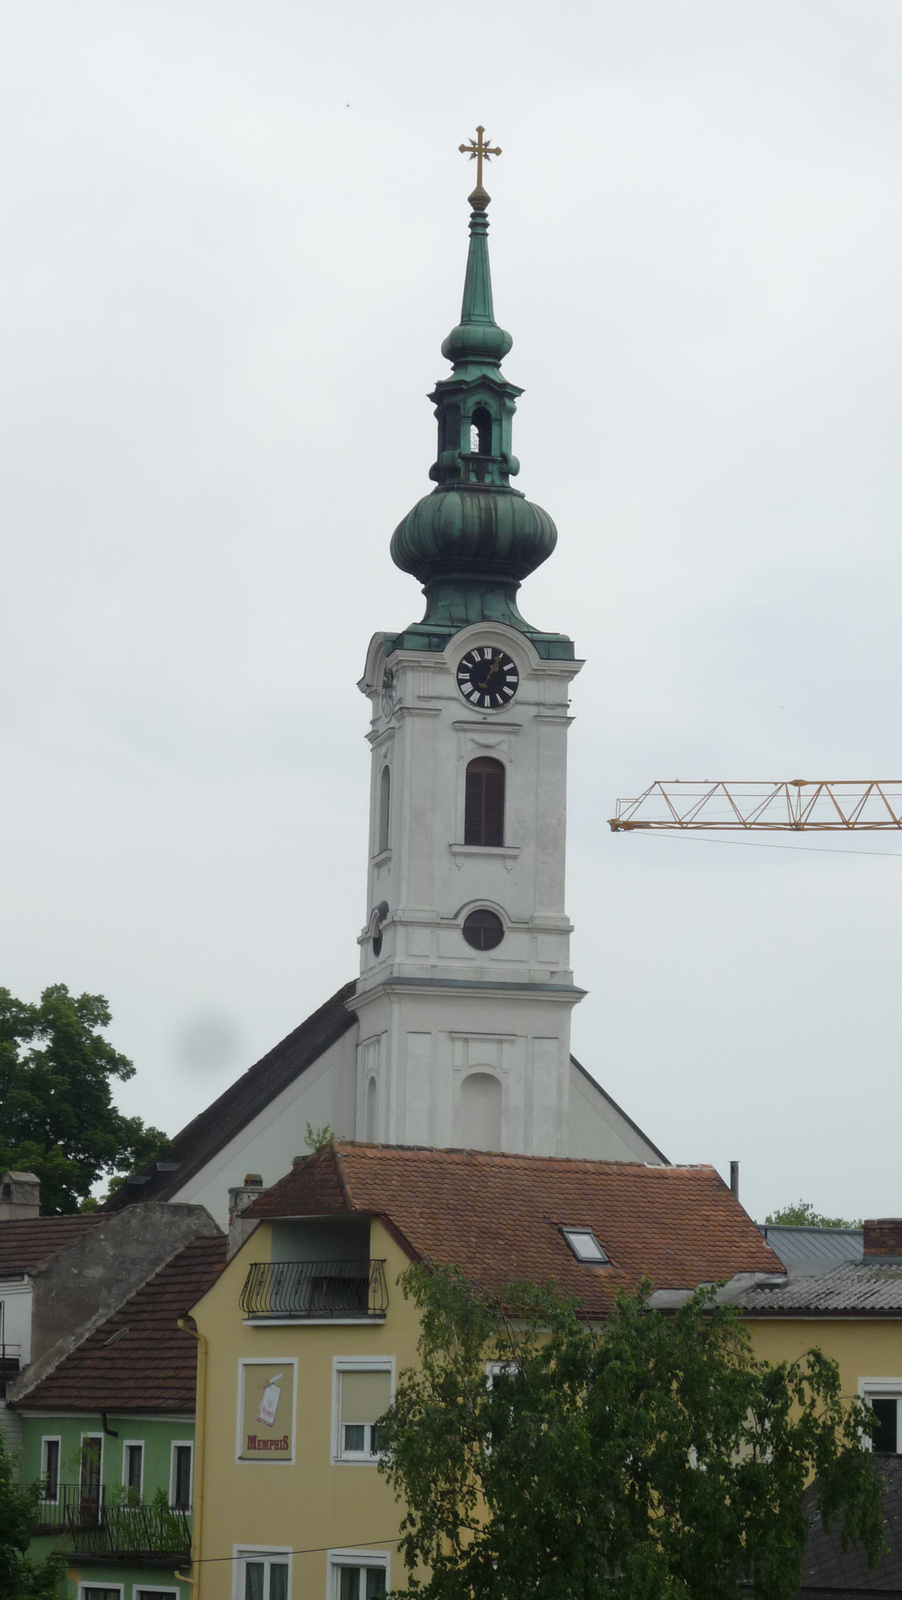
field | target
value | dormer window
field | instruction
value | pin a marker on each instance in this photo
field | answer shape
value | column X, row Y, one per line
column 585, row 1246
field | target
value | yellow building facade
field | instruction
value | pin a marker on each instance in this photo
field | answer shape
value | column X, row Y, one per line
column 304, row 1334
column 292, row 1506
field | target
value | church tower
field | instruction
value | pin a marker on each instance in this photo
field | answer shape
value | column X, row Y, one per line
column 465, row 989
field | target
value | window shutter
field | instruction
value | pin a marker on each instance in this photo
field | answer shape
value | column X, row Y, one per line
column 484, row 809
column 493, row 826
column 473, row 810
column 364, row 1396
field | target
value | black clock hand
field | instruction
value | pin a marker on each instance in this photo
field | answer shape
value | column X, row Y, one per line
column 495, row 667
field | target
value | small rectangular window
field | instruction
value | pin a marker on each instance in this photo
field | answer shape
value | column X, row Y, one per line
column 180, row 1477
column 884, row 1396
column 585, row 1246
column 90, row 1473
column 885, row 1438
column 133, row 1468
column 50, row 1471
column 91, row 1591
column 364, row 1395
column 156, row 1594
column 358, row 1580
column 263, row 1576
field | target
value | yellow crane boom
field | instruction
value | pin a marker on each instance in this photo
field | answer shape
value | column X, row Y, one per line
column 795, row 805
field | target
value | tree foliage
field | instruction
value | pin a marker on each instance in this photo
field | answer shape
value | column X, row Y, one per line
column 20, row 1577
column 652, row 1459
column 803, row 1215
column 59, row 1119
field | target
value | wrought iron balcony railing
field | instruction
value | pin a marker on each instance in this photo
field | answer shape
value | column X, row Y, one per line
column 10, row 1363
column 315, row 1289
column 101, row 1530
column 63, row 1504
column 150, row 1532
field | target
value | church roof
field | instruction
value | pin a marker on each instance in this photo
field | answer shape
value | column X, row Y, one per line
column 828, row 1570
column 222, row 1121
column 139, row 1359
column 499, row 1217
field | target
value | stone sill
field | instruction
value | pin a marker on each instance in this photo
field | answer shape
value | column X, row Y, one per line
column 313, row 1322
column 504, row 852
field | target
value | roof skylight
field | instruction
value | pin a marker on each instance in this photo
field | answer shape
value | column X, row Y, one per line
column 585, row 1246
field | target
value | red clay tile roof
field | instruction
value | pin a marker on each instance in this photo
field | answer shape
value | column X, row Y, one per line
column 25, row 1246
column 201, row 1139
column 151, row 1366
column 499, row 1216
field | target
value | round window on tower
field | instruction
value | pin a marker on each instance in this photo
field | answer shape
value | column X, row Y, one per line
column 483, row 930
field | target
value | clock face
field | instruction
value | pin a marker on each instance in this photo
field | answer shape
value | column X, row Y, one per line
column 389, row 693
column 487, row 678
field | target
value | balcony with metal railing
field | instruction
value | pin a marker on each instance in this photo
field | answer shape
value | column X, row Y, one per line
column 315, row 1291
column 10, row 1363
column 156, row 1534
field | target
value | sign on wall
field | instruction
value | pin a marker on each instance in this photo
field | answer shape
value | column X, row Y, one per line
column 266, row 1410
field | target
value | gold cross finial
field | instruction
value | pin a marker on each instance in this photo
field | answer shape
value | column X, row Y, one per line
column 478, row 150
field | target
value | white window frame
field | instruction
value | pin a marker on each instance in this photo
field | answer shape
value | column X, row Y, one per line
column 571, row 1235
column 498, row 1369
column 180, row 1444
column 152, row 1588
column 81, row 1470
column 254, row 1552
column 51, row 1438
column 340, row 1364
column 94, row 1583
column 277, row 1461
column 883, row 1389
column 337, row 1559
column 131, row 1444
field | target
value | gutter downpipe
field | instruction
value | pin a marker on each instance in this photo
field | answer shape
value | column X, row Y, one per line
column 193, row 1578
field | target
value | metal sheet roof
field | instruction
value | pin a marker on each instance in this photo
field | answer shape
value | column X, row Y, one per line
column 830, row 1245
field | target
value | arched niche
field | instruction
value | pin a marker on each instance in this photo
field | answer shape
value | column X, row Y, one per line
column 479, row 1112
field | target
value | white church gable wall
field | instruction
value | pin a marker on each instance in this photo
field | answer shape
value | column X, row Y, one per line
column 598, row 1131
column 324, row 1094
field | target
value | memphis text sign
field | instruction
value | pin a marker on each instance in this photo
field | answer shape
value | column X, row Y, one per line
column 267, row 1412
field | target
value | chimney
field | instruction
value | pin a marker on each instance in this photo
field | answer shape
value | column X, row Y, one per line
column 20, row 1197
column 239, row 1199
column 883, row 1239
column 734, row 1179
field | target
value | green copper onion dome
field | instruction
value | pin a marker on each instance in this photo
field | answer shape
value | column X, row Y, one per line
column 474, row 538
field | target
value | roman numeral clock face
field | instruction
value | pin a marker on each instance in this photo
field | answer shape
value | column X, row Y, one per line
column 487, row 678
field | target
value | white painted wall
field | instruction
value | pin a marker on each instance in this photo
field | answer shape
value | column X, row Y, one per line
column 326, row 1093
column 597, row 1131
column 15, row 1315
column 433, row 1011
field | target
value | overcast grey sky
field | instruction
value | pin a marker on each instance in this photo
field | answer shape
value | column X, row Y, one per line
column 233, row 239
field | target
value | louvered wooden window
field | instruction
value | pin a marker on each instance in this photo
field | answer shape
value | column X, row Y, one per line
column 484, row 815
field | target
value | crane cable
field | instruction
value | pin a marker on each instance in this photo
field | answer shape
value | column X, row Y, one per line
column 755, row 844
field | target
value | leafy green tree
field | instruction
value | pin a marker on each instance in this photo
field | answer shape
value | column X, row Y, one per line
column 803, row 1215
column 20, row 1577
column 59, row 1120
column 652, row 1458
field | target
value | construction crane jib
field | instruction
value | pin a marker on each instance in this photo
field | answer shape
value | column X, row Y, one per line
column 793, row 806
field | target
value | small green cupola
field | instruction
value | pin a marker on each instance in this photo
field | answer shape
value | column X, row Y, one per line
column 472, row 541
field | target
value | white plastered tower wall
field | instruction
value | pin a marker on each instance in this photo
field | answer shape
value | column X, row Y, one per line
column 439, row 1022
